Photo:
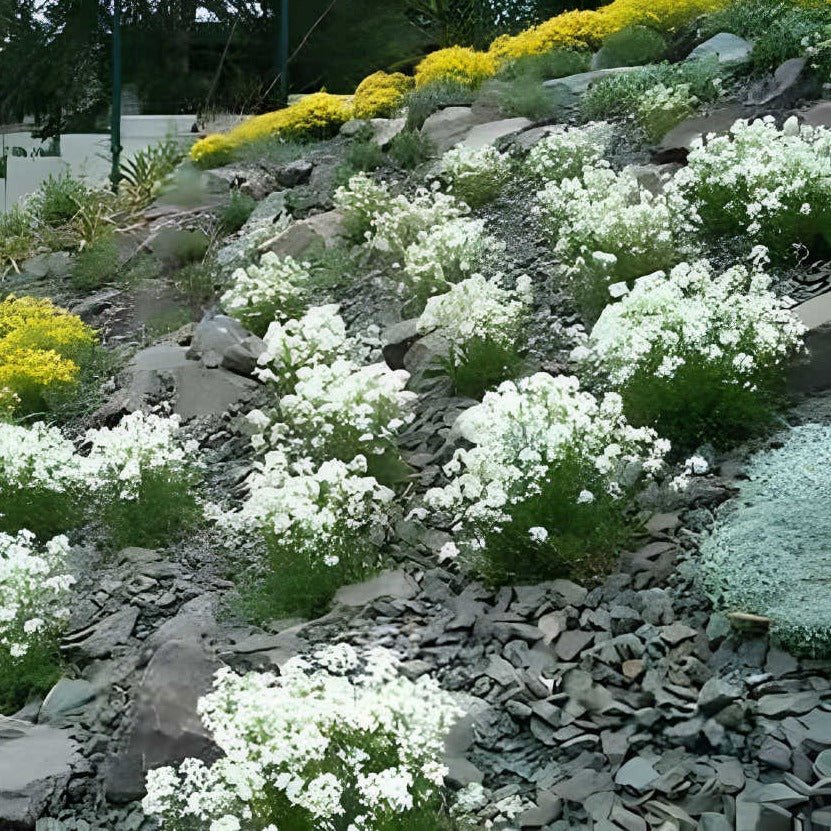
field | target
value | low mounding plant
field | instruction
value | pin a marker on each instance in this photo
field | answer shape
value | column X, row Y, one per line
column 359, row 201
column 697, row 355
column 236, row 213
column 33, row 612
column 476, row 176
column 338, row 741
column 410, row 148
column 457, row 63
column 608, row 231
column 632, row 46
column 381, row 94
column 146, row 480
column 563, row 154
column 273, row 290
column 42, row 348
column 17, row 237
column 483, row 325
column 447, row 253
column 42, row 480
column 558, row 63
column 59, row 199
column 661, row 108
column 320, row 524
column 768, row 185
column 544, row 490
column 96, row 264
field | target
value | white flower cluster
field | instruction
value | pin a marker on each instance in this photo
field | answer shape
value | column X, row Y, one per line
column 476, row 175
column 609, row 215
column 318, row 337
column 662, row 107
column 360, row 201
column 308, row 507
column 340, row 740
column 524, row 430
column 478, row 307
column 563, row 154
column 260, row 293
column 450, row 252
column 137, row 446
column 758, row 180
column 33, row 592
column 732, row 320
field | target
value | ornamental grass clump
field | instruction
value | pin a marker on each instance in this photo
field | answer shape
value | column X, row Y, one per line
column 337, row 741
column 563, row 154
column 483, row 324
column 147, row 475
column 34, row 610
column 448, row 253
column 769, row 186
column 608, row 230
column 476, row 175
column 42, row 348
column 545, row 489
column 321, row 527
column 42, row 481
column 698, row 355
column 275, row 289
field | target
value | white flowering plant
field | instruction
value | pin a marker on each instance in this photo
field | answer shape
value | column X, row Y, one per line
column 147, row 474
column 476, row 175
column 564, row 153
column 338, row 741
column 482, row 322
column 359, row 202
column 608, row 229
column 767, row 185
column 275, row 289
column 42, row 480
column 545, row 489
column 448, row 253
column 322, row 526
column 662, row 107
column 700, row 356
column 34, row 610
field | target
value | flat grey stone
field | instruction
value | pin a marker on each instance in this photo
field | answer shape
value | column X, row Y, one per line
column 822, row 764
column 112, row 631
column 223, row 341
column 580, row 83
column 447, row 127
column 790, row 82
column 295, row 173
column 775, row 754
column 637, row 774
column 715, row 695
column 788, row 704
column 713, row 822
column 67, row 695
column 584, row 783
column 730, row 49
column 548, row 809
column 676, row 633
column 396, row 584
column 483, row 135
column 572, row 643
column 680, row 139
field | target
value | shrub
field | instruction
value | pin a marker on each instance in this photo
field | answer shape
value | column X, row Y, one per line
column 147, row 477
column 336, row 740
column 524, row 97
column 701, row 357
column 273, row 290
column 96, row 264
column 198, row 282
column 661, row 108
column 41, row 349
column 447, row 253
column 59, row 199
column 362, row 156
column 421, row 103
column 456, row 63
column 359, row 201
column 476, row 176
column 788, row 35
column 143, row 175
column 608, row 230
column 543, row 491
column 558, row 63
column 17, row 237
column 563, row 154
column 768, row 185
column 483, row 325
column 33, row 612
column 42, row 480
column 236, row 213
column 631, row 46
column 320, row 526
column 381, row 95
column 410, row 148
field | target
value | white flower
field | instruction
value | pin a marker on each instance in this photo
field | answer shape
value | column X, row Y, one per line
column 538, row 534
column 697, row 465
column 585, row 497
column 449, row 551
column 564, row 153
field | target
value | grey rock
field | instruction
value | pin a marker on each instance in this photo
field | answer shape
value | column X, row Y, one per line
column 36, row 763
column 790, row 82
column 112, row 631
column 678, row 141
column 55, row 264
column 295, row 173
column 166, row 728
column 715, row 695
column 47, row 824
column 447, row 127
column 580, row 83
column 196, row 620
column 819, row 115
column 730, row 49
column 787, row 704
column 490, row 133
column 568, row 593
column 301, row 239
column 396, row 341
column 637, row 774
column 676, row 633
column 386, row 129
column 822, row 764
column 582, row 784
column 775, row 754
column 397, row 584
column 713, row 822
column 67, row 695
column 548, row 808
column 223, row 341
column 571, row 643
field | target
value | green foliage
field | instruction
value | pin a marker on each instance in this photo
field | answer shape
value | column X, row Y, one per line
column 586, row 540
column 164, row 509
column 178, row 247
column 45, row 513
column 235, row 214
column 559, row 63
column 423, row 102
column 59, row 199
column 27, row 677
column 143, row 175
column 96, row 265
column 271, row 151
column 480, row 365
column 17, row 237
column 198, row 282
column 524, row 96
column 362, row 156
column 166, row 322
column 410, row 148
column 632, row 46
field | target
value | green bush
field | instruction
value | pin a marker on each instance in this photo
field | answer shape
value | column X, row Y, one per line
column 410, row 148
column 59, row 199
column 198, row 282
column 479, row 365
column 632, row 46
column 524, row 97
column 33, row 675
column 235, row 214
column 559, row 63
column 423, row 102
column 362, row 156
column 17, row 237
column 96, row 265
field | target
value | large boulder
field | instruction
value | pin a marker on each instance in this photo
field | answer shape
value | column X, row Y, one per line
column 447, row 127
column 166, row 728
column 483, row 135
column 792, row 81
column 580, row 83
column 730, row 50
column 382, row 130
column 300, row 239
column 36, row 763
column 221, row 341
column 676, row 144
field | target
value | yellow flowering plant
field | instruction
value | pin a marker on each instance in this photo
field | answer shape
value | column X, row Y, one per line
column 457, row 63
column 41, row 349
column 379, row 95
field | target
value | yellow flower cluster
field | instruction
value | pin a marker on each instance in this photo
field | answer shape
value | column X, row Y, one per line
column 318, row 115
column 379, row 95
column 458, row 63
column 313, row 116
column 40, row 345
